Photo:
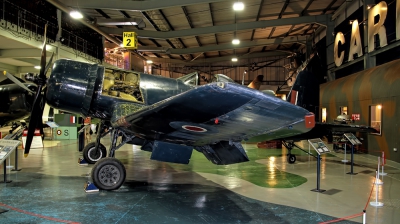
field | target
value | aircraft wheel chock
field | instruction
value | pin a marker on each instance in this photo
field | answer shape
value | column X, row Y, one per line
column 91, row 155
column 108, row 174
column 291, row 158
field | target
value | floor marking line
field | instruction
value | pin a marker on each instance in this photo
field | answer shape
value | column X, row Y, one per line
column 37, row 215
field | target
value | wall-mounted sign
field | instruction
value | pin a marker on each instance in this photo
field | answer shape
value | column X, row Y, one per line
column 376, row 19
column 355, row 117
column 129, row 40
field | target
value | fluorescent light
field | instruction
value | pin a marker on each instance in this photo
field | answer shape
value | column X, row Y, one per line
column 234, row 59
column 149, row 62
column 37, row 67
column 237, row 6
column 76, row 15
column 121, row 45
column 236, row 41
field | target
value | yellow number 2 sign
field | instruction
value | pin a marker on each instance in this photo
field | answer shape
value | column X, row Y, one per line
column 129, row 40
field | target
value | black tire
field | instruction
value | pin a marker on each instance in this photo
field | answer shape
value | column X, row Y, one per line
column 291, row 158
column 91, row 155
column 108, row 174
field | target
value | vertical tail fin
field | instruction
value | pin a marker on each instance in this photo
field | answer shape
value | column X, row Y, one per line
column 305, row 92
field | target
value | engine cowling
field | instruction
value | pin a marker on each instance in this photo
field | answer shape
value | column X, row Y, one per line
column 72, row 85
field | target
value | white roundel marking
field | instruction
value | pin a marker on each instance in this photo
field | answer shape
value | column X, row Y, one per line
column 194, row 128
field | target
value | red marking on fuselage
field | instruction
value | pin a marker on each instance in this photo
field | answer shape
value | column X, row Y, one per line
column 194, row 128
column 37, row 215
column 293, row 97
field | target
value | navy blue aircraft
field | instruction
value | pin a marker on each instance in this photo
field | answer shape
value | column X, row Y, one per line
column 168, row 117
column 16, row 100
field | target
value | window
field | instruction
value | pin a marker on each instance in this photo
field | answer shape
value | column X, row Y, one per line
column 343, row 110
column 323, row 112
column 375, row 121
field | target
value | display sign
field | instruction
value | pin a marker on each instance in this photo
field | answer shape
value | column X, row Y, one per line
column 65, row 133
column 376, row 24
column 352, row 139
column 6, row 148
column 318, row 145
column 355, row 117
column 129, row 40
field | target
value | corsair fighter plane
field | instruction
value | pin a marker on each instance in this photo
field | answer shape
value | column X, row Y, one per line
column 168, row 117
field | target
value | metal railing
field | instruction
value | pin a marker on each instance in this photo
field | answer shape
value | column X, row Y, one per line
column 26, row 25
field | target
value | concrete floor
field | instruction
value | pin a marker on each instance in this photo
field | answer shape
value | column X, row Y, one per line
column 49, row 189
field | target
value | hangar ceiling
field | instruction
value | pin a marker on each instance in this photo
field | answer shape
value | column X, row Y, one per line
column 194, row 31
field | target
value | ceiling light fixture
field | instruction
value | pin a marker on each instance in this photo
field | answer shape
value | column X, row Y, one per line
column 234, row 59
column 76, row 15
column 149, row 62
column 37, row 67
column 236, row 41
column 238, row 6
column 121, row 45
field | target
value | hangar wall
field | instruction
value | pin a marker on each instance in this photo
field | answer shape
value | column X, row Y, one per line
column 358, row 92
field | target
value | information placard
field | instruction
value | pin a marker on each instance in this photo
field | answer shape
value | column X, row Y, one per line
column 6, row 148
column 352, row 139
column 318, row 145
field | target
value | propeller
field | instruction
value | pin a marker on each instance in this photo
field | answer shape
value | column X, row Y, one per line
column 40, row 100
column 16, row 81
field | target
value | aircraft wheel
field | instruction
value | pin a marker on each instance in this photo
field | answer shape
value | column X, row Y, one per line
column 291, row 158
column 91, row 155
column 108, row 174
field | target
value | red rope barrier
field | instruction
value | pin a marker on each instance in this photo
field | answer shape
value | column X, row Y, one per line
column 369, row 198
column 355, row 215
column 344, row 218
column 38, row 215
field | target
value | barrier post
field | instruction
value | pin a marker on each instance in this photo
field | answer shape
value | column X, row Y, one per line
column 376, row 203
column 364, row 216
column 383, row 164
column 345, row 153
column 377, row 179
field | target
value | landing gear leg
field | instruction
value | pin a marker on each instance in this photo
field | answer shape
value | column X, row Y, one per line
column 290, row 157
column 114, row 136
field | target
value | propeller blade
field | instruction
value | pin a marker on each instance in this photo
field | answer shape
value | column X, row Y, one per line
column 49, row 64
column 42, row 74
column 38, row 103
column 35, row 116
column 16, row 81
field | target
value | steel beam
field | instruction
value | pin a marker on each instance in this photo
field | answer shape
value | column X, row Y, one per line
column 20, row 53
column 219, row 59
column 120, row 22
column 320, row 19
column 133, row 5
column 226, row 46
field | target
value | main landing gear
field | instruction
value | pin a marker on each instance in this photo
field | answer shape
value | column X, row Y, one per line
column 290, row 145
column 109, row 173
column 94, row 151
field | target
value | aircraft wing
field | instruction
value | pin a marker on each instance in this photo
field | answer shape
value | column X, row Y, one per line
column 333, row 127
column 212, row 113
column 327, row 129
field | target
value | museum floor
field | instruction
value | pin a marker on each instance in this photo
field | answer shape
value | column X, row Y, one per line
column 49, row 189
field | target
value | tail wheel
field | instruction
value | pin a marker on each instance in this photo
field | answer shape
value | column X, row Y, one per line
column 91, row 155
column 108, row 174
column 291, row 158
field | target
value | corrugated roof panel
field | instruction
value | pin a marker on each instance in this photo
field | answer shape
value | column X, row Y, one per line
column 199, row 15
column 177, row 18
